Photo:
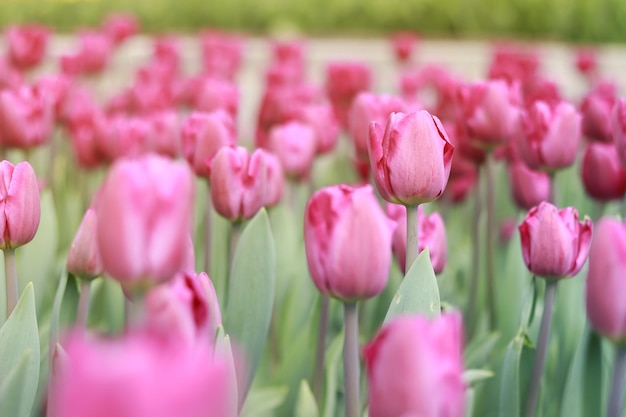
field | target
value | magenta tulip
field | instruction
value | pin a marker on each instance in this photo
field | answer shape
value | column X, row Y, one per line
column 26, row 117
column 596, row 111
column 275, row 179
column 528, row 187
column 618, row 129
column 83, row 259
column 20, row 209
column 27, row 45
column 295, row 144
column 602, row 173
column 344, row 80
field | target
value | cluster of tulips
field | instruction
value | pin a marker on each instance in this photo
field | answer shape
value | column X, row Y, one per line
column 164, row 190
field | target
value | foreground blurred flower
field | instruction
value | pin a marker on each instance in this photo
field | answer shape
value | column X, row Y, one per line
column 348, row 242
column 414, row 367
column 144, row 218
column 83, row 259
column 26, row 45
column 19, row 204
column 26, row 117
column 410, row 158
column 602, row 173
column 555, row 244
column 139, row 376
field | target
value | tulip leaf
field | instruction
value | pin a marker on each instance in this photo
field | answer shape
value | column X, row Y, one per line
column 333, row 373
column 19, row 358
column 418, row 292
column 472, row 376
column 479, row 350
column 572, row 404
column 263, row 402
column 251, row 291
column 510, row 380
column 306, row 405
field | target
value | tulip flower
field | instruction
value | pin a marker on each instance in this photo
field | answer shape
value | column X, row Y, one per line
column 124, row 136
column 344, row 80
column 221, row 54
column 26, row 118
column 326, row 127
column 27, row 45
column 618, row 129
column 414, row 367
column 91, row 57
column 120, row 27
column 596, row 111
column 83, row 259
column 403, row 44
column 602, row 173
column 144, row 218
column 410, row 158
column 275, row 179
column 294, row 144
column 217, row 94
column 528, row 187
column 165, row 138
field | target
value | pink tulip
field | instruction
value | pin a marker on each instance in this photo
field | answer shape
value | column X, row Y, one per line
column 414, row 367
column 326, row 127
column 294, row 144
column 344, row 80
column 275, row 179
column 120, row 27
column 411, row 158
column 203, row 135
column 27, row 45
column 92, row 57
column 596, row 111
column 144, row 218
column 551, row 136
column 55, row 89
column 515, row 65
column 463, row 178
column 19, row 204
column 348, row 242
column 403, row 44
column 431, row 234
column 238, row 182
column 618, row 129
column 222, row 54
column 602, row 173
column 165, row 137
column 125, row 136
column 555, row 244
column 217, row 94
column 528, row 187
column 10, row 78
column 166, row 54
column 606, row 280
column 26, row 118
column 83, row 259
column 139, row 376
column 587, row 62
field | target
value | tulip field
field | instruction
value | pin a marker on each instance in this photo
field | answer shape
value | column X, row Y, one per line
column 223, row 225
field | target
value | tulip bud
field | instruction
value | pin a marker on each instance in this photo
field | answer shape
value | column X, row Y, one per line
column 602, row 173
column 411, row 158
column 403, row 44
column 144, row 218
column 596, row 111
column 528, row 187
column 606, row 280
column 294, row 144
column 238, row 183
column 83, row 259
column 415, row 366
column 348, row 242
column 275, row 179
column 19, row 204
column 26, row 118
column 27, row 45
column 618, row 129
column 555, row 244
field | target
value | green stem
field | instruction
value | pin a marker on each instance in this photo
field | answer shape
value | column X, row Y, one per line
column 616, row 396
column 491, row 234
column 351, row 359
column 10, row 280
column 318, row 376
column 208, row 228
column 542, row 348
column 412, row 242
column 475, row 257
column 82, row 313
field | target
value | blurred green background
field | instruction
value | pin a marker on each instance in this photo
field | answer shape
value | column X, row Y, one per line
column 563, row 20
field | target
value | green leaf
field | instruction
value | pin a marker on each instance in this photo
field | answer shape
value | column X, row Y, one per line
column 471, row 376
column 572, row 404
column 263, row 402
column 19, row 358
column 223, row 348
column 510, row 381
column 306, row 405
column 418, row 292
column 106, row 310
column 592, row 390
column 251, row 291
column 479, row 350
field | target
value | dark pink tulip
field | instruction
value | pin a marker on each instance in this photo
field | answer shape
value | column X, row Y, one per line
column 544, row 90
column 139, row 376
column 153, row 88
column 19, row 204
column 515, row 65
column 618, row 129
column 367, row 108
column 411, row 158
column 144, row 218
column 415, row 366
column 431, row 234
column 26, row 45
column 288, row 51
column 551, row 136
column 344, row 80
column 221, row 54
column 10, row 78
column 587, row 63
column 124, row 136
column 606, row 280
column 55, row 88
column 238, row 182
column 217, row 94
column 120, row 27
column 491, row 112
column 322, row 119
column 166, row 54
column 348, row 242
column 26, row 117
column 275, row 179
column 164, row 135
column 92, row 56
column 555, row 244
column 83, row 259
column 596, row 110
column 528, row 187
column 463, row 178
column 203, row 134
column 602, row 173
column 403, row 44
column 294, row 144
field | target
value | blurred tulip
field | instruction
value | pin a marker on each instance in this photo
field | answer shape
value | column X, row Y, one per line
column 602, row 173
column 344, row 80
column 596, row 111
column 411, row 158
column 84, row 260
column 415, row 366
column 348, row 242
column 555, row 244
column 587, row 63
column 19, row 204
column 26, row 45
column 26, row 118
column 515, row 65
column 215, row 94
column 294, row 144
column 120, row 27
column 322, row 119
column 606, row 280
column 10, row 78
column 165, row 137
column 144, row 218
column 124, row 136
column 222, row 54
column 618, row 129
column 403, row 44
column 275, row 179
column 55, row 89
column 92, row 56
column 528, row 187
column 463, row 179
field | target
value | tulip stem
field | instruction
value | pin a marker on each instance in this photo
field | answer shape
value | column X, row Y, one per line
column 351, row 359
column 491, row 230
column 318, row 376
column 542, row 348
column 208, row 228
column 616, row 396
column 471, row 311
column 412, row 243
column 82, row 314
column 10, row 278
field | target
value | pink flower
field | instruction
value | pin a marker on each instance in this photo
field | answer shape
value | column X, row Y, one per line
column 348, row 242
column 26, row 118
column 403, row 44
column 55, row 89
column 275, row 179
column 587, row 63
column 221, row 54
column 27, row 45
column 528, row 187
column 217, row 94
column 92, row 56
column 238, row 182
column 602, row 173
column 124, row 136
column 551, row 136
column 326, row 127
column 344, row 80
column 414, row 367
column 596, row 111
column 164, row 138
column 555, row 244
column 19, row 204
column 463, row 178
column 10, row 77
column 606, row 280
column 618, row 129
column 120, row 27
column 411, row 158
column 294, row 144
column 144, row 218
column 431, row 234
column 83, row 259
